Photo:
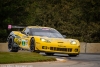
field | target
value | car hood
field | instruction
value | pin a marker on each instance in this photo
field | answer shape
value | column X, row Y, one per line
column 59, row 40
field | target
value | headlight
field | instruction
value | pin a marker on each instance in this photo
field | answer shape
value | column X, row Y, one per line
column 44, row 40
column 73, row 42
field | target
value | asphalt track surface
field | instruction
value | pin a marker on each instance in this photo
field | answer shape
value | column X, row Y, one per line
column 63, row 60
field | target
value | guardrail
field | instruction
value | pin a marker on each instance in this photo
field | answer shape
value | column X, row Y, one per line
column 90, row 47
column 3, row 47
column 84, row 47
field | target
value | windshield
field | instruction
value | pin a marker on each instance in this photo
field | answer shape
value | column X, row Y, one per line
column 48, row 32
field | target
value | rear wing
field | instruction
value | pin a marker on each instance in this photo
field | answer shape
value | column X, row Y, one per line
column 13, row 26
column 16, row 28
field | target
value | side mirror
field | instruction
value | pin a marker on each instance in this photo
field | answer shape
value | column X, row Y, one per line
column 64, row 36
column 27, row 33
column 22, row 32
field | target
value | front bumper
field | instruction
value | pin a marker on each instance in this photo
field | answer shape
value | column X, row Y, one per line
column 54, row 48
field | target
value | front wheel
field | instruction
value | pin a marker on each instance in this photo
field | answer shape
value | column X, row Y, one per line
column 71, row 55
column 32, row 45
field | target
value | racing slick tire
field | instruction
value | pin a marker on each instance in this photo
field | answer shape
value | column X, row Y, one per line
column 11, row 45
column 32, row 45
column 49, row 54
column 72, row 55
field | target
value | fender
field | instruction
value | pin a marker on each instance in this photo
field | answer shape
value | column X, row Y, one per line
column 11, row 34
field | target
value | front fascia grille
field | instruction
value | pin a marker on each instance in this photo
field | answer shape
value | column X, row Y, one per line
column 61, row 49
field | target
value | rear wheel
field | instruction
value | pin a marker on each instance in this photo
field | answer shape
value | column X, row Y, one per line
column 11, row 45
column 32, row 45
column 50, row 54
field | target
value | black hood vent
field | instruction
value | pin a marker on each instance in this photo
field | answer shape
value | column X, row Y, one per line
column 60, row 42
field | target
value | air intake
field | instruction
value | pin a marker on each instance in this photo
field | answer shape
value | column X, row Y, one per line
column 61, row 49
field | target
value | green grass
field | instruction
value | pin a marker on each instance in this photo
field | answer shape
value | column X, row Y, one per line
column 22, row 57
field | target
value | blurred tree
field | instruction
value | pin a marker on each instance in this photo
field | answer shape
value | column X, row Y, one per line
column 78, row 19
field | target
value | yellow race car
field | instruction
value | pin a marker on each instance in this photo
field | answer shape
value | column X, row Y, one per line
column 42, row 39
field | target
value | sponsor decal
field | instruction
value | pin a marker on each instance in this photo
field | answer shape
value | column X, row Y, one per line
column 61, row 45
column 45, row 29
